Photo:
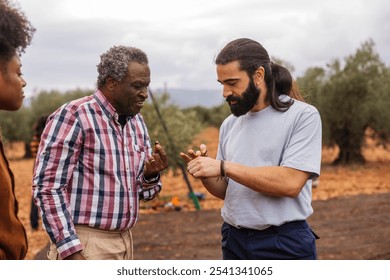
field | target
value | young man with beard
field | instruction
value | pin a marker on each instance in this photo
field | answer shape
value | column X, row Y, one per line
column 269, row 151
column 15, row 35
column 95, row 162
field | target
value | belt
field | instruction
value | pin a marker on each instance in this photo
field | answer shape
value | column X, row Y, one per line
column 272, row 229
column 275, row 229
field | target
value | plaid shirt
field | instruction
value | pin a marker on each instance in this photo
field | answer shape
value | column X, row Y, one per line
column 89, row 171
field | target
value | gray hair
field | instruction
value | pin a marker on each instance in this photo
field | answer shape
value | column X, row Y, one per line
column 115, row 62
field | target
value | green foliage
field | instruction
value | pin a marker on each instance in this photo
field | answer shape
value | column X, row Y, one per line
column 284, row 63
column 211, row 116
column 351, row 96
column 46, row 102
column 182, row 126
column 311, row 84
column 18, row 125
column 379, row 111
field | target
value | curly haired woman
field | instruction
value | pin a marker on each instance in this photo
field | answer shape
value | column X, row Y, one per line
column 15, row 35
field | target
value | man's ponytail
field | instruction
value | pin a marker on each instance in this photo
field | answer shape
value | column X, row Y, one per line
column 279, row 81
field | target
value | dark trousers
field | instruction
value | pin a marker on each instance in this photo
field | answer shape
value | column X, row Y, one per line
column 293, row 240
column 34, row 215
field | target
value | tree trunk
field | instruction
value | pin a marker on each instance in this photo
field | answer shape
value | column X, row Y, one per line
column 348, row 155
column 27, row 150
column 350, row 147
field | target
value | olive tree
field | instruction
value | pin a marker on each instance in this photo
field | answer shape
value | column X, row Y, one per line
column 352, row 96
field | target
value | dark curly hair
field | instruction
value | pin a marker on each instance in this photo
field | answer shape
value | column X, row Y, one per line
column 16, row 32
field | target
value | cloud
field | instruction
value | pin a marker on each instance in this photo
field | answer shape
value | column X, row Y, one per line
column 182, row 38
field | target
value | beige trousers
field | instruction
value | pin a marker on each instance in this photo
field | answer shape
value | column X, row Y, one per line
column 101, row 244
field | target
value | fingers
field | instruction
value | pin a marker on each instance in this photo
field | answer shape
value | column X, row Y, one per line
column 149, row 165
column 191, row 154
column 192, row 168
column 203, row 150
column 154, row 165
column 152, row 161
column 157, row 146
column 160, row 153
column 185, row 157
column 196, row 168
column 158, row 161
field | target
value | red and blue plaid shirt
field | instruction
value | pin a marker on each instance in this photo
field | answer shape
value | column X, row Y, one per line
column 89, row 170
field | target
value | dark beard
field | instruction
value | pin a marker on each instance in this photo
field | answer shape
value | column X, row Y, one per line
column 246, row 101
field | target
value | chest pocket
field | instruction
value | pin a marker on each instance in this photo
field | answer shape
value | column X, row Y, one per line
column 139, row 158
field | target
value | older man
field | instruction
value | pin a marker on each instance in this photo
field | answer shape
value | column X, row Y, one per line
column 95, row 161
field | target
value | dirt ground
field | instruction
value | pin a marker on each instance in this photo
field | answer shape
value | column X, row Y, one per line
column 353, row 228
column 351, row 211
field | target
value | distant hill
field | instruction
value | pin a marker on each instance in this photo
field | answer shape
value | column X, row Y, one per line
column 185, row 98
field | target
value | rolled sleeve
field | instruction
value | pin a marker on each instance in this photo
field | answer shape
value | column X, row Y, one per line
column 150, row 188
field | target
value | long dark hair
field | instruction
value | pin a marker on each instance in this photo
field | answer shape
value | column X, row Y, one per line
column 251, row 55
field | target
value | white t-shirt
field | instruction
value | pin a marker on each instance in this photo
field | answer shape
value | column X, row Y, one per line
column 271, row 138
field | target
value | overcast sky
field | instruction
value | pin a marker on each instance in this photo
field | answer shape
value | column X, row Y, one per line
column 182, row 37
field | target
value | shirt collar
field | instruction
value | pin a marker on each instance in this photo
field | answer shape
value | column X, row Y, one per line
column 106, row 106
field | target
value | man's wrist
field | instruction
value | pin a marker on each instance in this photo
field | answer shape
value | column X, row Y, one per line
column 152, row 179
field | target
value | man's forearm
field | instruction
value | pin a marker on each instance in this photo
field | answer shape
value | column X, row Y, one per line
column 216, row 186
